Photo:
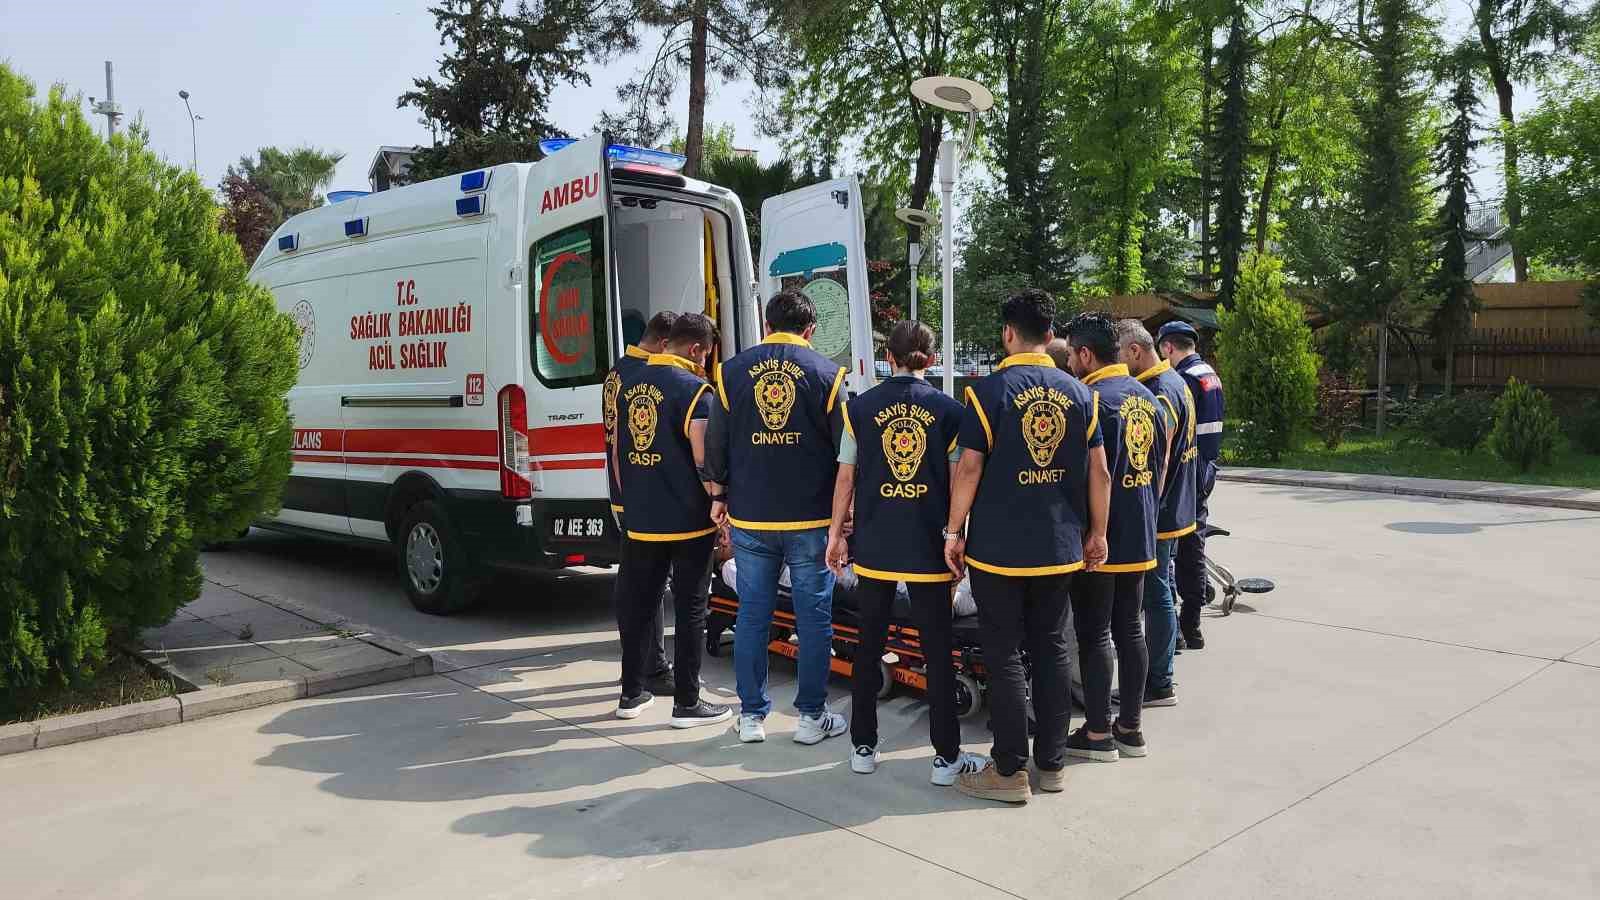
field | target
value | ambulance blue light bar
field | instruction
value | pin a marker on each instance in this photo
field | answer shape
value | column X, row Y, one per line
column 288, row 243
column 355, row 227
column 470, row 206
column 472, row 182
column 622, row 153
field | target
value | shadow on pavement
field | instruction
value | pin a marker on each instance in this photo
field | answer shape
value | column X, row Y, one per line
column 1473, row 527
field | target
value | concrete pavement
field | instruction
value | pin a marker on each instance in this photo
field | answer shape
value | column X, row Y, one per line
column 1442, row 488
column 1410, row 713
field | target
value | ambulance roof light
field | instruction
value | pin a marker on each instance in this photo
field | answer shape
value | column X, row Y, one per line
column 622, row 153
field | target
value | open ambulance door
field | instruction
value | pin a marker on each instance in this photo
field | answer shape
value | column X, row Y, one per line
column 814, row 239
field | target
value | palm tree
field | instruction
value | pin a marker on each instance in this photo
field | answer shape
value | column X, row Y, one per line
column 754, row 183
column 291, row 179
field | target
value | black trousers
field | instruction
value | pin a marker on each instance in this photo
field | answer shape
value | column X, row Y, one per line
column 1108, row 608
column 930, row 610
column 643, row 575
column 1189, row 563
column 657, row 663
column 1017, row 613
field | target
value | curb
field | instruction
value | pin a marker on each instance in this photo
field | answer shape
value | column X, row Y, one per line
column 205, row 702
column 1410, row 491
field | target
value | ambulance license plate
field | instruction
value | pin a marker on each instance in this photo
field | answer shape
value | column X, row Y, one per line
column 577, row 528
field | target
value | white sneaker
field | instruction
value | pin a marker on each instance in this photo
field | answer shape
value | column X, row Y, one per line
column 818, row 728
column 946, row 773
column 864, row 761
column 752, row 730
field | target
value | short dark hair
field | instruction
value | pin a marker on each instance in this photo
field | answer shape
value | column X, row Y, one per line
column 660, row 326
column 911, row 342
column 692, row 328
column 791, row 311
column 1095, row 332
column 1030, row 313
column 1181, row 341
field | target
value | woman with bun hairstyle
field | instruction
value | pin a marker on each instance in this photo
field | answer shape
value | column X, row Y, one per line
column 894, row 468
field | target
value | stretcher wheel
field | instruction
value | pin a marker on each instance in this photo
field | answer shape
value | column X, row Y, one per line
column 969, row 696
column 886, row 686
column 713, row 641
column 1211, row 593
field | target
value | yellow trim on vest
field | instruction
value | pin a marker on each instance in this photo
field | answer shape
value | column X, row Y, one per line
column 848, row 428
column 1169, row 535
column 1172, row 411
column 1102, row 374
column 1026, row 571
column 671, row 359
column 920, row 577
column 636, row 352
column 616, row 507
column 1026, row 359
column 784, row 337
column 721, row 391
column 1154, row 370
column 1123, row 568
column 688, row 416
column 983, row 419
column 680, row 536
column 748, row 525
column 838, row 380
column 1094, row 420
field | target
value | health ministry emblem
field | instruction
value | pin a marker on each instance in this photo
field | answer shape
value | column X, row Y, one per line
column 775, row 392
column 1044, row 425
column 904, row 443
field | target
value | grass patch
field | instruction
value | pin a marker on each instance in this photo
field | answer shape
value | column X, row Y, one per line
column 1408, row 454
column 120, row 681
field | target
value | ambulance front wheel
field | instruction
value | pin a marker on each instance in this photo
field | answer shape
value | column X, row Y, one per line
column 437, row 575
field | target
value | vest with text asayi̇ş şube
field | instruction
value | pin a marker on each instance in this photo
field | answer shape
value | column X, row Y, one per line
column 778, row 396
column 904, row 429
column 666, row 499
column 1176, row 517
column 1130, row 419
column 626, row 365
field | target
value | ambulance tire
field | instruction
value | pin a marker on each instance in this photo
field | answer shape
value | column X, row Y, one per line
column 439, row 578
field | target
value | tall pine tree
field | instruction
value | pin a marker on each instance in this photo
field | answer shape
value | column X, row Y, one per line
column 1452, row 159
column 1231, row 136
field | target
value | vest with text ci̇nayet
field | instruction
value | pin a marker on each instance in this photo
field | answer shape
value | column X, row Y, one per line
column 904, row 430
column 1036, row 424
column 632, row 360
column 1177, row 499
column 1128, row 422
column 666, row 500
column 779, row 396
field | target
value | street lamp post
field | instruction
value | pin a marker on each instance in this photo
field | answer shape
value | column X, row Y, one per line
column 970, row 97
column 194, row 140
column 922, row 220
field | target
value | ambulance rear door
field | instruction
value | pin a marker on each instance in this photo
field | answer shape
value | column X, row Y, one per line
column 814, row 239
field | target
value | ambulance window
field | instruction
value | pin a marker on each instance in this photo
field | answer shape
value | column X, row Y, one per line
column 568, row 305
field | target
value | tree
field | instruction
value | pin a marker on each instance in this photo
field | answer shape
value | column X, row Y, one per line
column 754, row 183
column 1453, row 230
column 142, row 411
column 260, row 193
column 495, row 81
column 1515, row 37
column 1231, row 135
column 726, row 39
column 718, row 145
column 1265, row 356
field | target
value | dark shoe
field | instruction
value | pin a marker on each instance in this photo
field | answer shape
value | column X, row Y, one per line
column 701, row 713
column 1080, row 745
column 1192, row 638
column 631, row 707
column 1152, row 697
column 1178, row 643
column 1129, row 743
column 663, row 683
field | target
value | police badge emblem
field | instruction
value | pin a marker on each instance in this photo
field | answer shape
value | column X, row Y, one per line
column 1138, row 431
column 608, row 405
column 904, row 443
column 1044, row 426
column 642, row 421
column 775, row 394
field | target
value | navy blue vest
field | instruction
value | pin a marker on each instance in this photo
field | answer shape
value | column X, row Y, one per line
column 904, row 430
column 1128, row 421
column 633, row 359
column 1036, row 424
column 1178, row 495
column 781, row 460
column 666, row 500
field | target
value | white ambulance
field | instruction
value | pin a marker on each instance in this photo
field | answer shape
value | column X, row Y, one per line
column 454, row 335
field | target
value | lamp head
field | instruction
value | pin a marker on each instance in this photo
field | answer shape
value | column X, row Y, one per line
column 183, row 94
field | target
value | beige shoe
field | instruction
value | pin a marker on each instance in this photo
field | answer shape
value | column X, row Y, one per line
column 989, row 784
column 1053, row 782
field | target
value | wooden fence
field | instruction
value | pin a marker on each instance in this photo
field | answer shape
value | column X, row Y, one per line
column 1486, row 357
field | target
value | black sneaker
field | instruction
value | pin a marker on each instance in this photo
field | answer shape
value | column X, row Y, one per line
column 1082, row 746
column 1193, row 639
column 701, row 713
column 664, row 683
column 1160, row 697
column 631, row 707
column 1129, row 743
column 1178, row 643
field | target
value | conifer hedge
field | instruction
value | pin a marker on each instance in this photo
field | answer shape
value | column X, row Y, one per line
column 142, row 384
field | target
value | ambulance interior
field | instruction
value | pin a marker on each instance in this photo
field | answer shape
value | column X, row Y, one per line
column 671, row 255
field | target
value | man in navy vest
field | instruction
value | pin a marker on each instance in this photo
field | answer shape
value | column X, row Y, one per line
column 652, row 340
column 1175, row 517
column 1177, row 343
column 1033, row 478
column 774, row 443
column 659, row 450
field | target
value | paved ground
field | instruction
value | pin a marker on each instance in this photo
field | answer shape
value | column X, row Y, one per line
column 1411, row 713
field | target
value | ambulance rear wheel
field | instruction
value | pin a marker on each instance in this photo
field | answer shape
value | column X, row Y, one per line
column 969, row 696
column 434, row 567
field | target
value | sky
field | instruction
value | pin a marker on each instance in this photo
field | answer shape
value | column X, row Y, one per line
column 272, row 74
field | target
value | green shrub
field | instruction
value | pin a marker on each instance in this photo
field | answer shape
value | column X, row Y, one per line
column 1525, row 426
column 1245, row 444
column 143, row 409
column 1338, row 408
column 1584, row 427
column 1458, row 423
column 1264, row 352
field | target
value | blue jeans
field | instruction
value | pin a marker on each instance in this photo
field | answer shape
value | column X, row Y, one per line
column 759, row 556
column 1160, row 617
